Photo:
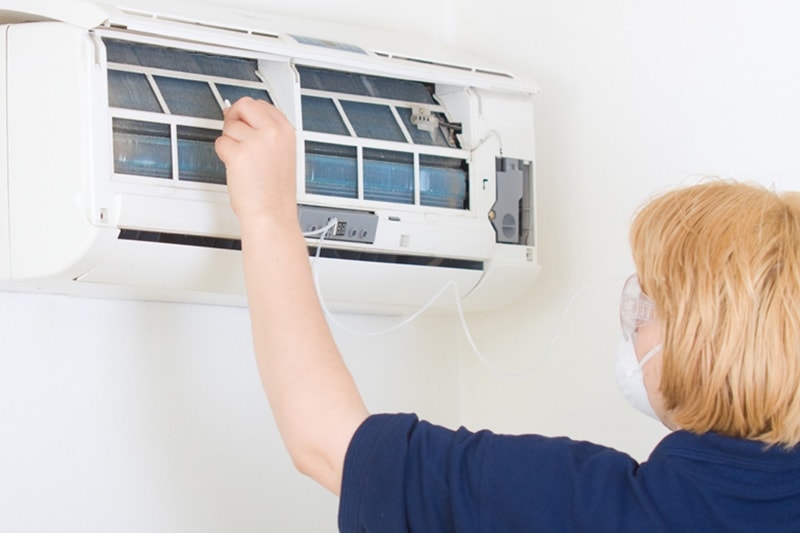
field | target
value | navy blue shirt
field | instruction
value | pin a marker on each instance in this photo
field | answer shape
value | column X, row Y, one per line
column 402, row 475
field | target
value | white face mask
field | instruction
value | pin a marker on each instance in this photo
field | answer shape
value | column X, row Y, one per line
column 630, row 377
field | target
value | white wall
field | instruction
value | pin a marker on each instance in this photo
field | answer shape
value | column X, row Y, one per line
column 637, row 97
column 132, row 416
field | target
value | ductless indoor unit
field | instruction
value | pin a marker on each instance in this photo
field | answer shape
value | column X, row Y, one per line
column 111, row 185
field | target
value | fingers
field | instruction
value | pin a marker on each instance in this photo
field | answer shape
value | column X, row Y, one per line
column 248, row 118
column 238, row 126
column 236, row 130
column 257, row 114
column 224, row 146
column 254, row 126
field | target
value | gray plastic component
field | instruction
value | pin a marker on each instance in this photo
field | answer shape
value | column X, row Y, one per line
column 351, row 226
column 511, row 213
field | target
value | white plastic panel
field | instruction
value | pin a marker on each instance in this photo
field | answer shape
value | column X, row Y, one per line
column 435, row 235
column 509, row 119
column 516, row 263
column 5, row 259
column 169, row 269
column 192, row 273
column 208, row 213
column 77, row 12
column 49, row 161
column 377, row 287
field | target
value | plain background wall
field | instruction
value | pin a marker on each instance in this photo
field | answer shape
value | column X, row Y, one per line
column 134, row 416
column 636, row 97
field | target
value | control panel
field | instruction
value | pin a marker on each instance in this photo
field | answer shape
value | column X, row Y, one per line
column 351, row 226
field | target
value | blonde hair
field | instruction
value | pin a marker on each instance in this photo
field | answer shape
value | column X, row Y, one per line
column 721, row 261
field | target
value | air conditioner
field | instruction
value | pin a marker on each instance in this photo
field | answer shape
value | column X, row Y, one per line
column 111, row 186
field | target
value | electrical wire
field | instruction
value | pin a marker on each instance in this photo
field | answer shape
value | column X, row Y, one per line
column 323, row 232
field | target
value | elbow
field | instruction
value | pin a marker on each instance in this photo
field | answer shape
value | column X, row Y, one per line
column 318, row 467
column 319, row 450
column 302, row 461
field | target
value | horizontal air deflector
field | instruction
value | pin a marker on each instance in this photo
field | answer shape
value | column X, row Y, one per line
column 332, row 253
column 372, row 257
column 177, row 238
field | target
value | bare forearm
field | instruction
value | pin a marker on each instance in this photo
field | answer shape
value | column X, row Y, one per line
column 314, row 400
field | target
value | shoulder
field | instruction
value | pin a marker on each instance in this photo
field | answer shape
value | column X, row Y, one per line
column 480, row 477
column 403, row 433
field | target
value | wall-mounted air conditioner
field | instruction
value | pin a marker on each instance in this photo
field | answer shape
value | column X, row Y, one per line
column 111, row 186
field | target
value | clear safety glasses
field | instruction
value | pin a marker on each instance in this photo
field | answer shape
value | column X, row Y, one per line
column 636, row 308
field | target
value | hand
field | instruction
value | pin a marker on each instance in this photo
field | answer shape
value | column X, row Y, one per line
column 258, row 148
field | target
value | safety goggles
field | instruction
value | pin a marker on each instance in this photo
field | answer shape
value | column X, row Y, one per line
column 636, row 308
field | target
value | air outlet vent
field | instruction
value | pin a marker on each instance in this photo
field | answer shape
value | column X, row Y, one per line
column 332, row 253
column 200, row 24
column 453, row 66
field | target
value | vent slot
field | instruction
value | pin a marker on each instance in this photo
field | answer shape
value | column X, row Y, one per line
column 181, row 239
column 199, row 24
column 414, row 260
column 332, row 45
column 453, row 66
column 331, row 253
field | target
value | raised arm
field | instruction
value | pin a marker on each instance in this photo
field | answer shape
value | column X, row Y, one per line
column 313, row 397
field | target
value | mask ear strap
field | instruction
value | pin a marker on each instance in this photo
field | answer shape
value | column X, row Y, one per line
column 649, row 355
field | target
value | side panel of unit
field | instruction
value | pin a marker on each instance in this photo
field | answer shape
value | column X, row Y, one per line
column 5, row 260
column 50, row 153
column 506, row 123
column 508, row 117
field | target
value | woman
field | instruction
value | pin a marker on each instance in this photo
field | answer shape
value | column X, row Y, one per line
column 714, row 327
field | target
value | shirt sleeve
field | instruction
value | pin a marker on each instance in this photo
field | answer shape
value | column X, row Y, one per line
column 405, row 475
